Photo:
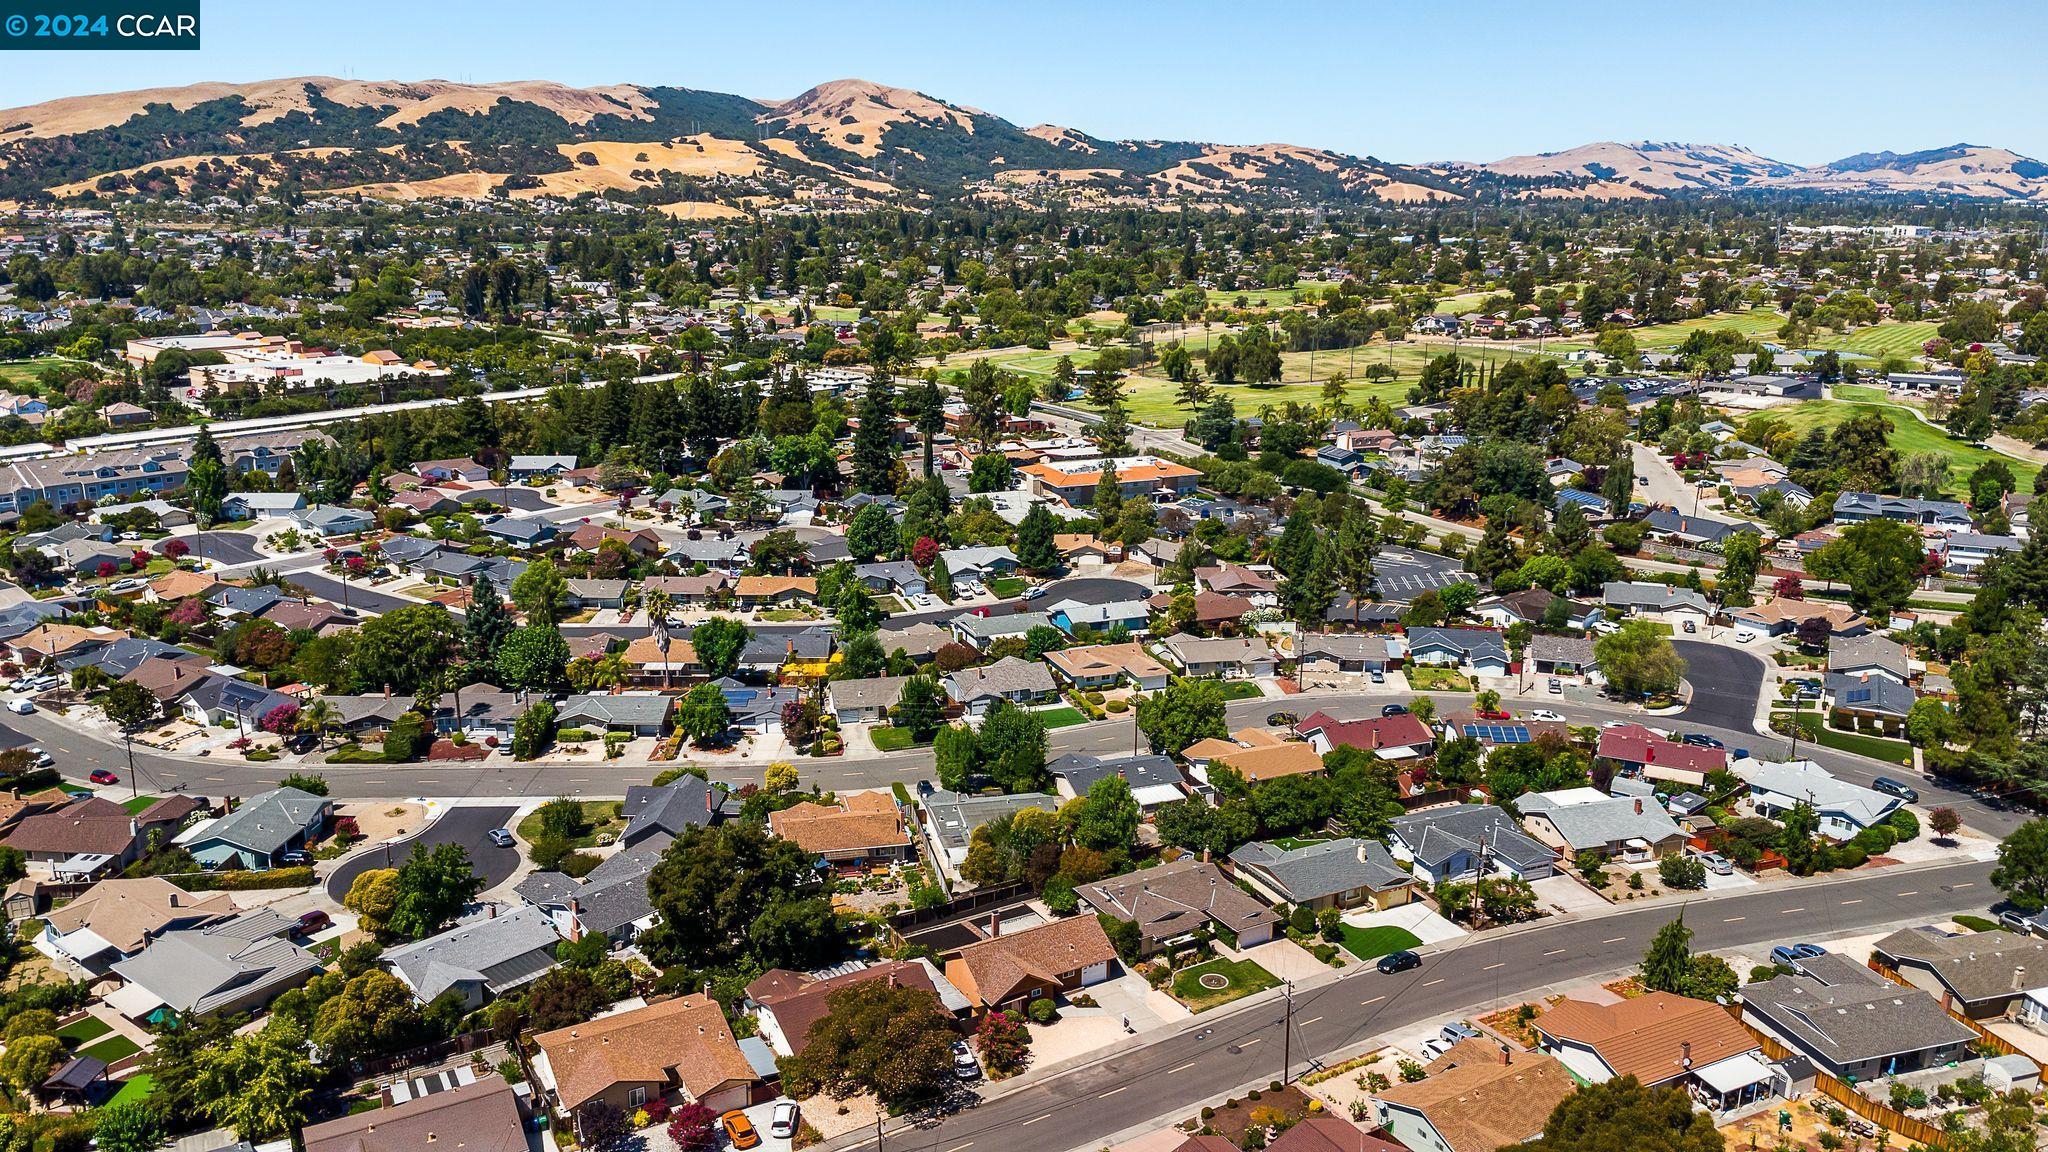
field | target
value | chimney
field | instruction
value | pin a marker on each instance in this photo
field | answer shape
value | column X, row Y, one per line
column 1639, row 805
column 1507, row 1054
column 491, row 911
column 387, row 691
column 2019, row 978
column 995, row 925
column 1685, row 1053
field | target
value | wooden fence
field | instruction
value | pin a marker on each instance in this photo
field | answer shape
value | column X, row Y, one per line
column 1846, row 1095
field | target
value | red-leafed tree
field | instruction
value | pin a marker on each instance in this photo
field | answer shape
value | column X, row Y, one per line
column 924, row 551
column 1789, row 587
column 177, row 549
column 280, row 720
column 691, row 1126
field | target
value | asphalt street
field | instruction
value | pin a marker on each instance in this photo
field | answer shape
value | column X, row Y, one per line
column 221, row 547
column 1213, row 1056
column 356, row 595
column 1726, row 683
column 463, row 826
column 522, row 499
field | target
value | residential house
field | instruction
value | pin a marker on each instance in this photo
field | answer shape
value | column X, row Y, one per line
column 1021, row 682
column 680, row 1050
column 1670, row 524
column 1966, row 553
column 775, row 591
column 1343, row 873
column 1259, row 585
column 1070, row 616
column 611, row 901
column 1476, row 650
column 1635, row 750
column 520, row 533
column 216, row 701
column 920, row 641
column 1532, row 606
column 1562, row 656
column 1254, row 754
column 1682, row 608
column 261, row 505
column 1844, row 809
column 1579, row 820
column 687, row 591
column 892, row 577
column 1318, row 655
column 649, row 665
column 980, row 632
column 233, row 967
column 980, row 563
column 1476, row 1097
column 757, row 710
column 326, row 520
column 1097, row 667
column 1231, row 658
column 1402, row 736
column 87, row 839
column 1137, row 477
column 597, row 593
column 1169, row 902
column 864, row 701
column 1870, row 699
column 230, row 600
column 1851, row 507
column 667, row 809
column 1452, row 842
column 172, row 587
column 1154, row 780
column 479, row 961
column 770, row 656
column 1213, row 610
column 789, row 1005
column 440, row 471
column 637, row 713
column 862, row 830
column 1313, row 1133
column 115, row 919
column 1011, row 969
column 1978, row 975
column 522, row 468
column 1852, row 1023
column 1663, row 1041
column 1778, row 616
column 1861, row 657
column 260, row 829
column 948, row 820
column 639, row 541
column 482, row 1116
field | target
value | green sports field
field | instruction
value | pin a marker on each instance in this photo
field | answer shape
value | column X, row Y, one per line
column 1909, row 435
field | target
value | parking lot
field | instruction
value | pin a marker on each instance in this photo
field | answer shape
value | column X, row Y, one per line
column 1403, row 573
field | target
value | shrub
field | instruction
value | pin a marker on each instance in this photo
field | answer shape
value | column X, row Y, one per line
column 1904, row 825
column 1683, row 872
column 1042, row 1011
column 1117, row 707
column 406, row 739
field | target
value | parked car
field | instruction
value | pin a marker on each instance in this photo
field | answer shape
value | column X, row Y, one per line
column 1434, row 1047
column 295, row 858
column 1787, row 954
column 1033, row 593
column 782, row 1122
column 2016, row 922
column 1718, row 864
column 1556, row 686
column 1891, row 787
column 500, row 837
column 1700, row 740
column 312, row 922
column 42, row 759
column 103, row 777
column 1458, row 1030
column 21, row 707
column 965, row 1066
column 739, row 1130
column 1546, row 714
column 1495, row 714
column 1394, row 710
column 1400, row 961
column 1691, row 627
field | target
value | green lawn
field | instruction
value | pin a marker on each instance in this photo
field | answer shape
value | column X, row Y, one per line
column 1244, row 978
column 1064, row 716
column 1881, row 340
column 111, row 1049
column 1264, row 297
column 1909, row 435
column 1425, row 679
column 1290, row 843
column 134, row 1089
column 1007, row 587
column 1875, row 747
column 83, row 1030
column 598, row 818
column 892, row 739
column 1241, row 690
column 1372, row 943
column 138, row 803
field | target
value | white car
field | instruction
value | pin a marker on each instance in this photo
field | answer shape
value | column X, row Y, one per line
column 1033, row 593
column 21, row 707
column 1546, row 714
column 1606, row 627
column 782, row 1122
column 1614, row 724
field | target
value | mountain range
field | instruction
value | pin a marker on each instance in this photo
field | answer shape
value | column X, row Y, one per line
column 699, row 153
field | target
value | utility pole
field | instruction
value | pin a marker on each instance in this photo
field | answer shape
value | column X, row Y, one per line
column 1287, row 1036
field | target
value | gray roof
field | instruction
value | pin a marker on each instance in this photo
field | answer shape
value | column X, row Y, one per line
column 1203, row 650
column 953, row 817
column 1569, row 649
column 1315, row 871
column 501, row 953
column 1172, row 900
column 1602, row 822
column 1661, row 597
column 996, row 627
column 634, row 709
column 201, row 969
column 959, row 559
column 611, row 897
column 268, row 821
column 1342, row 646
column 1846, row 1014
column 1003, row 677
column 1850, row 653
column 688, row 801
column 1082, row 771
column 876, row 692
column 1475, row 643
column 1873, row 694
column 1434, row 835
column 1974, row 965
column 1901, row 508
column 1805, row 780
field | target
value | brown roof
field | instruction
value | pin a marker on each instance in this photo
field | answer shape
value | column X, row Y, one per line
column 93, row 825
column 1170, row 900
column 1647, row 1037
column 775, row 585
column 687, row 1037
column 1210, row 607
column 182, row 585
column 166, row 678
column 1214, row 746
column 13, row 808
column 645, row 652
column 591, row 536
column 1104, row 659
column 294, row 616
column 1479, row 1104
column 1293, row 758
column 1329, row 1134
column 123, row 912
column 479, row 1117
column 996, row 970
column 798, row 1010
column 863, row 820
column 48, row 639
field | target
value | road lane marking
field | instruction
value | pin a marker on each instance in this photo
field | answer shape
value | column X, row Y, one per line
column 1858, row 900
column 1113, row 1091
column 1434, row 983
column 1914, row 892
column 1369, row 1003
column 1179, row 1068
column 1246, row 1044
column 1732, row 919
column 1555, row 952
column 1034, row 1120
column 1965, row 884
column 958, row 1147
column 1789, row 911
column 1614, row 940
column 1491, row 967
column 1306, row 1023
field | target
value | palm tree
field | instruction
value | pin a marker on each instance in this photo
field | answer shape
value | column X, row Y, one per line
column 657, row 604
column 316, row 718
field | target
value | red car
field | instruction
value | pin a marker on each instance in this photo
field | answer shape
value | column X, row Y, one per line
column 1496, row 714
column 102, row 776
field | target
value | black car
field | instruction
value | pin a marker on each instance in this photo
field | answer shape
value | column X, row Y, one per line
column 1400, row 961
column 1892, row 787
column 1700, row 740
column 1394, row 710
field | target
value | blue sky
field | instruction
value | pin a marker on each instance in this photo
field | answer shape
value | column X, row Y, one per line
column 1801, row 80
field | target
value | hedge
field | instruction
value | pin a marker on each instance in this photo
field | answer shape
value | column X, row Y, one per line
column 236, row 880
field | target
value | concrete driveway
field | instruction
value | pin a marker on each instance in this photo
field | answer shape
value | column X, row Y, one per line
column 1424, row 922
column 465, row 826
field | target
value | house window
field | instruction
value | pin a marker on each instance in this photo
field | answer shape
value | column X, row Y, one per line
column 636, row 1097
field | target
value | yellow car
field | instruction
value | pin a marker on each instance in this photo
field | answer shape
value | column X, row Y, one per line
column 739, row 1130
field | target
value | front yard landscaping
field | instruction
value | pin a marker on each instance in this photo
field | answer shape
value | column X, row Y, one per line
column 1061, row 717
column 1424, row 679
column 1007, row 587
column 600, row 818
column 892, row 739
column 1219, row 982
column 1373, row 943
column 1875, row 747
column 83, row 1030
column 1241, row 690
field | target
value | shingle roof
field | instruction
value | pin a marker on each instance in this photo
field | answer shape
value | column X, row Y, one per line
column 1434, row 835
column 1005, row 676
column 1173, row 899
column 1314, row 871
column 501, row 952
column 687, row 1035
column 1847, row 1014
column 1478, row 1103
column 478, row 1117
column 998, row 969
column 864, row 820
column 267, row 822
column 1975, row 965
column 202, row 969
column 1648, row 1037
